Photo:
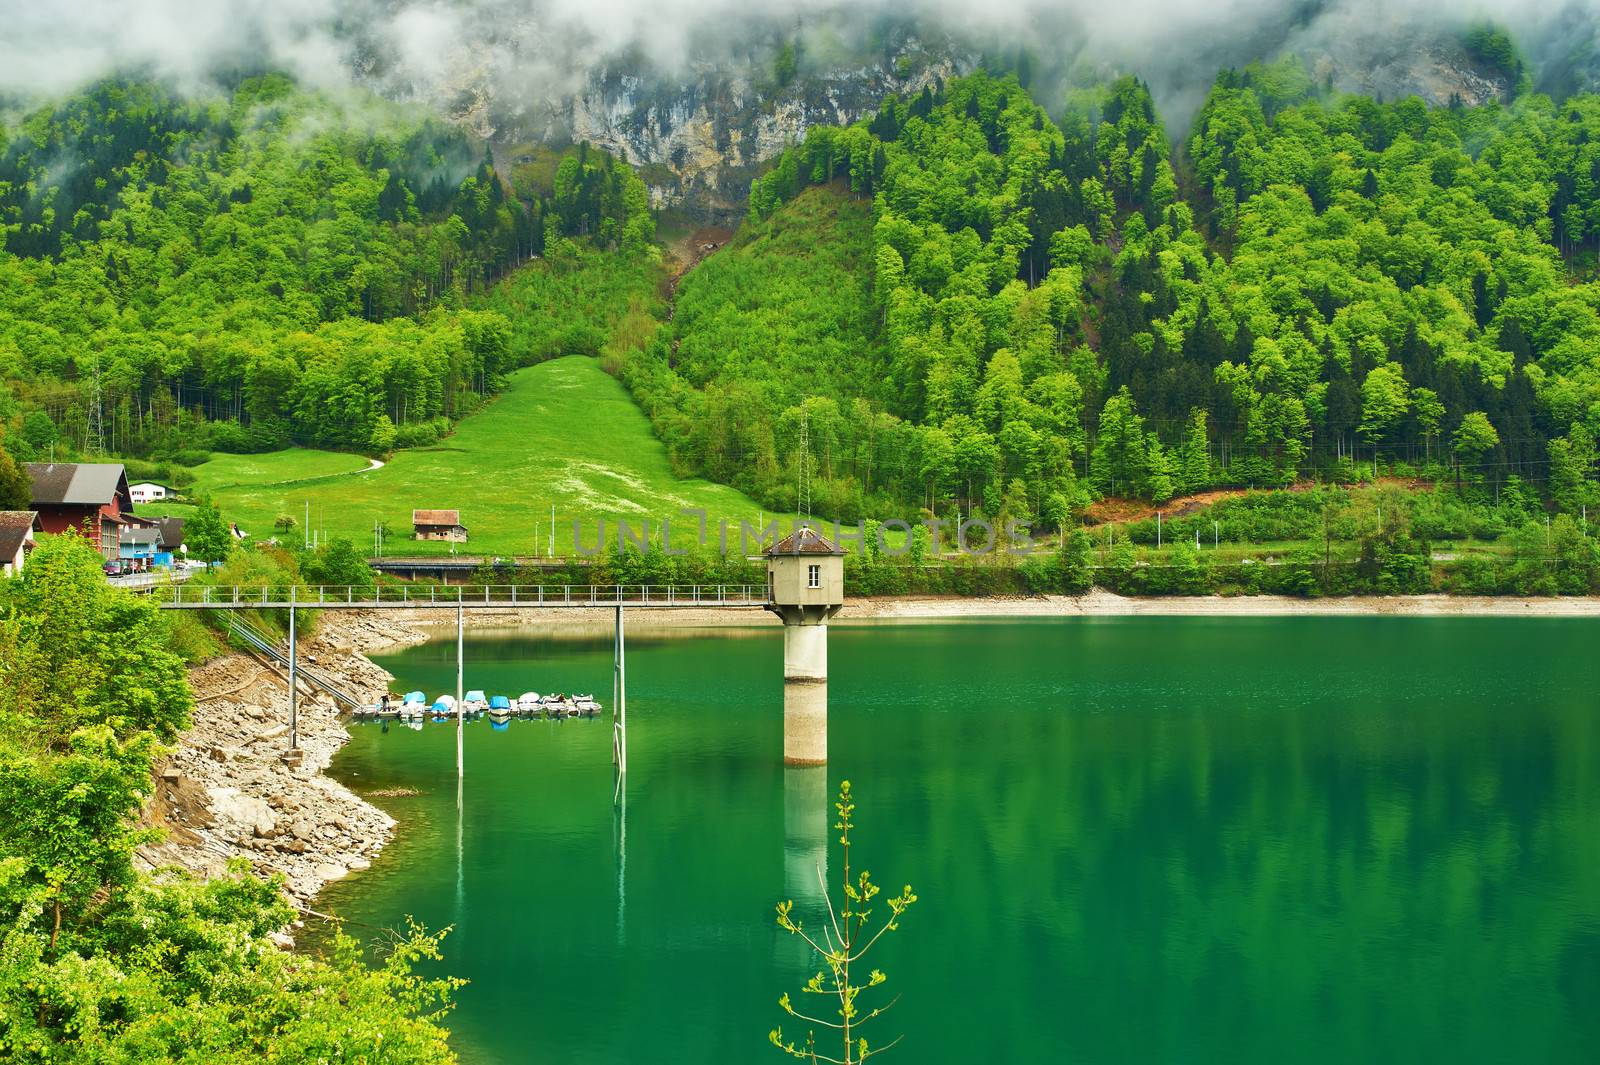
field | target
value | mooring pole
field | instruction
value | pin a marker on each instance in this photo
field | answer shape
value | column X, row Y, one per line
column 619, row 700
column 461, row 649
column 616, row 666
column 294, row 700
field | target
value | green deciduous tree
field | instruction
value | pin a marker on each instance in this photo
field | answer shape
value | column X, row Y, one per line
column 206, row 535
column 846, row 937
column 16, row 490
column 1474, row 438
column 102, row 963
column 1384, row 402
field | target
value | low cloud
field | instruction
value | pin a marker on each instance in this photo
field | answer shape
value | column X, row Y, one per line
column 528, row 49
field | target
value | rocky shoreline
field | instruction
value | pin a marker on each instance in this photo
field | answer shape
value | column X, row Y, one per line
column 226, row 792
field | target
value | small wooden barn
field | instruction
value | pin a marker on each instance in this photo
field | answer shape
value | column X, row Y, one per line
column 438, row 525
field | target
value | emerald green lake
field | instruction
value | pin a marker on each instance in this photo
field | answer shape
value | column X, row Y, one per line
column 1135, row 840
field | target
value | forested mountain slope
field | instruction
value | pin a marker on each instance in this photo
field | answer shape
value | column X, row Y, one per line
column 238, row 272
column 1322, row 282
column 769, row 326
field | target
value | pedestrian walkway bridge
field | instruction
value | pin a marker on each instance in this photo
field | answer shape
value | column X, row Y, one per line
column 453, row 596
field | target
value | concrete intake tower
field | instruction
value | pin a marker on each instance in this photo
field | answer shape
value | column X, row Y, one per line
column 805, row 587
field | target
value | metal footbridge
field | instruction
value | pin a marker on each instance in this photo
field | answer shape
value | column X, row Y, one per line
column 459, row 598
column 454, row 596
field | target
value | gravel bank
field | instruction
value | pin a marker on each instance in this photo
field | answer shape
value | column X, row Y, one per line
column 226, row 792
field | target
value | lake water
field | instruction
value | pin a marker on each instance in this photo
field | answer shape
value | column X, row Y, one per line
column 1135, row 840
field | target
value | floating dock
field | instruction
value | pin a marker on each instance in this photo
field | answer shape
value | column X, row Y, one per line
column 498, row 708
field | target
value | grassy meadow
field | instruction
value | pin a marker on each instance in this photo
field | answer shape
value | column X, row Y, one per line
column 564, row 433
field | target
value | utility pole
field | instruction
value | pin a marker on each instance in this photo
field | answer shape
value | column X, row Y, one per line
column 552, row 552
column 802, row 488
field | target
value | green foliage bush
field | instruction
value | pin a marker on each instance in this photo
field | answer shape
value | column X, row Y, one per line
column 101, row 963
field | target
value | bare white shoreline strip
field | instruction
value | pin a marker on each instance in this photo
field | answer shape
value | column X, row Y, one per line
column 584, row 622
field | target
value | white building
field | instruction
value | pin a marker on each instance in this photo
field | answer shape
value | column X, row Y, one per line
column 16, row 539
column 148, row 492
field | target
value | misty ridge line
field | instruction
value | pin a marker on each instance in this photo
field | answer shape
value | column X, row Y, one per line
column 527, row 55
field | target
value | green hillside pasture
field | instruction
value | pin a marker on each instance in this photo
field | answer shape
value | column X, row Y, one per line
column 276, row 468
column 564, row 433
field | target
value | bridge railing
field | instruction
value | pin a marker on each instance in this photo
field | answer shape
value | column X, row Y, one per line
column 266, row 596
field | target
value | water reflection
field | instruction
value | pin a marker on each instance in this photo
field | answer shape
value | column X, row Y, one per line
column 1167, row 841
column 807, row 811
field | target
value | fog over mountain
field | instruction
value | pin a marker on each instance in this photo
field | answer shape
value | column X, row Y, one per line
column 547, row 47
column 709, row 89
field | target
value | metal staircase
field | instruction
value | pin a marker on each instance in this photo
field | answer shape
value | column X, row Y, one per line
column 244, row 631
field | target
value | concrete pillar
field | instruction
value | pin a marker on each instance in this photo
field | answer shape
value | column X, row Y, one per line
column 805, row 694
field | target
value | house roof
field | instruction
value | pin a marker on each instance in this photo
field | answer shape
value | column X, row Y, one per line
column 171, row 532
column 15, row 527
column 436, row 517
column 143, row 535
column 149, row 484
column 89, row 484
column 804, row 541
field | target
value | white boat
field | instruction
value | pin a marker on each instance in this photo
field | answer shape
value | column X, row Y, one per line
column 528, row 703
column 475, row 702
column 586, row 704
column 556, row 706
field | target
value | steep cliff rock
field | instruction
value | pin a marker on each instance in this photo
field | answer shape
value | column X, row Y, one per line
column 700, row 138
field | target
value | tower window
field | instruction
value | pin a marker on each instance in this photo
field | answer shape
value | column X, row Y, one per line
column 813, row 576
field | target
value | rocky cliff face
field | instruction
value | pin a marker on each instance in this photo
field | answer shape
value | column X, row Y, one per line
column 699, row 138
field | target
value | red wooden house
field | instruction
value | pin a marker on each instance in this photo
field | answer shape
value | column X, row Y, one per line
column 90, row 498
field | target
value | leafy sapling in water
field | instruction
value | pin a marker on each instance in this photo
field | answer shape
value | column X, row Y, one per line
column 846, row 939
